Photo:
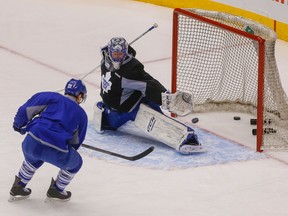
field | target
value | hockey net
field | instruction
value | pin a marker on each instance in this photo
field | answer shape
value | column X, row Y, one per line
column 228, row 63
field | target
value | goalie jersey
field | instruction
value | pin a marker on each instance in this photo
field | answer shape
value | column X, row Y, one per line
column 123, row 89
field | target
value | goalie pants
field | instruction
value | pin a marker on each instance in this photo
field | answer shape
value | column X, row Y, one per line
column 112, row 119
column 36, row 154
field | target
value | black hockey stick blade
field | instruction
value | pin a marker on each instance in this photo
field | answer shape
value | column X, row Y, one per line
column 130, row 158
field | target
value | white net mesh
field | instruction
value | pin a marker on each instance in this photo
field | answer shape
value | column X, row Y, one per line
column 220, row 67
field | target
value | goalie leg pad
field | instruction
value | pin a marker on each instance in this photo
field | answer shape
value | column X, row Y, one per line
column 97, row 118
column 165, row 129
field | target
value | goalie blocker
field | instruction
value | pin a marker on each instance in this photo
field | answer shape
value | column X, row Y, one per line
column 162, row 128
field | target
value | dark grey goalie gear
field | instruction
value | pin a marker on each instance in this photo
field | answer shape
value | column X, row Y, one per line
column 124, row 88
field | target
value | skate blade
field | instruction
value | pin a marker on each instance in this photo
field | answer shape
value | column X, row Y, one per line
column 55, row 200
column 17, row 198
column 189, row 149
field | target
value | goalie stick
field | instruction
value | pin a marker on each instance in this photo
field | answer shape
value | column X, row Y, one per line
column 130, row 158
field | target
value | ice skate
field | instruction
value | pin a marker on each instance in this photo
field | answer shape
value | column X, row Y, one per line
column 53, row 194
column 191, row 145
column 18, row 192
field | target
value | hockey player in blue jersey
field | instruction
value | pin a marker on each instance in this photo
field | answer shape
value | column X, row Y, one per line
column 125, row 86
column 56, row 127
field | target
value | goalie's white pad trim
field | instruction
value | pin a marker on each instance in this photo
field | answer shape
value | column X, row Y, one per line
column 161, row 127
column 188, row 149
column 180, row 103
column 97, row 118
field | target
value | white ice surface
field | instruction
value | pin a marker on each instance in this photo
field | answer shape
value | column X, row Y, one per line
column 44, row 43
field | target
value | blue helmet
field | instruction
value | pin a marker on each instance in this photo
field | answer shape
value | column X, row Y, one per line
column 75, row 87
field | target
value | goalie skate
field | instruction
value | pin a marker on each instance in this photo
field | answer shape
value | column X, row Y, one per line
column 191, row 145
column 191, row 148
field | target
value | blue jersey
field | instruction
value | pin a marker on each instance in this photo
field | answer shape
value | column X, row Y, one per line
column 54, row 120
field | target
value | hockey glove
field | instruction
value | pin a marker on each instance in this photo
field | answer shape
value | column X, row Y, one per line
column 21, row 130
column 180, row 103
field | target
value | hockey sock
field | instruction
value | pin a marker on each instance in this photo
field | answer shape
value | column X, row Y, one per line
column 26, row 173
column 63, row 179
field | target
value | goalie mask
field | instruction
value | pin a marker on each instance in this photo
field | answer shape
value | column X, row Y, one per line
column 117, row 49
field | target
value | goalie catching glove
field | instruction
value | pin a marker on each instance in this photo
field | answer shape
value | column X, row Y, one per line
column 180, row 103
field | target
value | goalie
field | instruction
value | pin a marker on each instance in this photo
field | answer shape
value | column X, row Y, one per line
column 128, row 92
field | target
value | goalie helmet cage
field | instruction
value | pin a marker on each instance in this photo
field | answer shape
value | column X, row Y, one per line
column 228, row 63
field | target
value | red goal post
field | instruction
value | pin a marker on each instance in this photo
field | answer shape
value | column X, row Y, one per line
column 228, row 63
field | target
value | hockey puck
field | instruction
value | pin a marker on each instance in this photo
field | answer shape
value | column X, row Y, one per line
column 266, row 121
column 237, row 118
column 254, row 132
column 253, row 121
column 195, row 120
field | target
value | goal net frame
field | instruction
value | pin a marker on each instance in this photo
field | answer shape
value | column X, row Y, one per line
column 259, row 43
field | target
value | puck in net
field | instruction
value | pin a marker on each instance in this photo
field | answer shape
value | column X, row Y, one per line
column 253, row 121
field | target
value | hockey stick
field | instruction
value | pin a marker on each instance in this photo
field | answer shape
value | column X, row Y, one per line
column 151, row 28
column 130, row 158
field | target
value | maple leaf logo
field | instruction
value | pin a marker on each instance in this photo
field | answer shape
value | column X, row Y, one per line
column 106, row 83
